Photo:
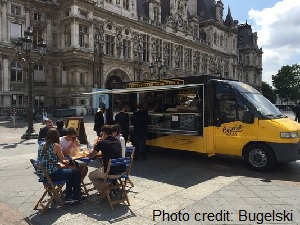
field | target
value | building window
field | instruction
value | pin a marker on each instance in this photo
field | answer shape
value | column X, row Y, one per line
column 39, row 101
column 126, row 4
column 67, row 31
column 146, row 47
column 16, row 72
column 110, row 45
column 37, row 16
column 67, row 13
column 188, row 59
column 15, row 31
column 38, row 74
column 246, row 78
column 64, row 76
column 54, row 38
column 17, row 100
column 155, row 13
column 221, row 41
column 127, row 49
column 15, row 10
column 83, row 13
column 215, row 38
column 109, row 26
column 81, row 78
column 109, row 1
column 170, row 54
column 158, row 48
column 83, row 36
column 37, row 37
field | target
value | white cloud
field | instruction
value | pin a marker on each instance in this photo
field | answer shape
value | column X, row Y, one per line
column 278, row 31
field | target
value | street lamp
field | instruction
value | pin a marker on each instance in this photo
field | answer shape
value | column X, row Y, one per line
column 156, row 68
column 23, row 49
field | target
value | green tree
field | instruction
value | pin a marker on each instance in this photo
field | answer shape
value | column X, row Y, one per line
column 268, row 92
column 287, row 82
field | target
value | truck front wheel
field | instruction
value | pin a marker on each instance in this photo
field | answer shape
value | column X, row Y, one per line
column 259, row 157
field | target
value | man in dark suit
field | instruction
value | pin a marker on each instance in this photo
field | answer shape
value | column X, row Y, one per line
column 122, row 118
column 98, row 121
column 139, row 121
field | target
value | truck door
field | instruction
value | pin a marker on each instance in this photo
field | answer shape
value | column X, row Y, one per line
column 231, row 131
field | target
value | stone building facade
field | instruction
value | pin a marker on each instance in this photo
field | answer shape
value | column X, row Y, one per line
column 92, row 43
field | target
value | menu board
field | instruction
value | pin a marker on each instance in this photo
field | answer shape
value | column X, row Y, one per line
column 187, row 122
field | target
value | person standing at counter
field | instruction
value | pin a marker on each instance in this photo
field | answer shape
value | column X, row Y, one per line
column 122, row 118
column 140, row 121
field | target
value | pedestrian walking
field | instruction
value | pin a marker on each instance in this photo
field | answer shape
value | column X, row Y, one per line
column 296, row 111
column 139, row 121
column 122, row 118
column 34, row 115
column 99, row 121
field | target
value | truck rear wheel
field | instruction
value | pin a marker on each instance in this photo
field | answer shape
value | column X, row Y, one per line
column 259, row 157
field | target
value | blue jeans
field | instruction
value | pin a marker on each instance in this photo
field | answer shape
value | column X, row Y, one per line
column 73, row 184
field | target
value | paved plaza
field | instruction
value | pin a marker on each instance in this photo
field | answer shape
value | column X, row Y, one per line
column 171, row 187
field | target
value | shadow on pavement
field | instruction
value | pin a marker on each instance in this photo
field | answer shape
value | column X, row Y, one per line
column 177, row 168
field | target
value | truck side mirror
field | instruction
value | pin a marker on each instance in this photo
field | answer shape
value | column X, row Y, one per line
column 248, row 117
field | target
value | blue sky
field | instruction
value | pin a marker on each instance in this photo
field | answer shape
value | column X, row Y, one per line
column 277, row 23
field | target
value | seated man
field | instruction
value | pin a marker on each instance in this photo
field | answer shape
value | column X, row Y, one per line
column 110, row 148
column 44, row 130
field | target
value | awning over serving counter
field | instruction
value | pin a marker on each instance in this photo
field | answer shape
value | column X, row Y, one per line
column 142, row 89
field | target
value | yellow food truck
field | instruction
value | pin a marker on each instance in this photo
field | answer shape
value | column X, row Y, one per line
column 212, row 115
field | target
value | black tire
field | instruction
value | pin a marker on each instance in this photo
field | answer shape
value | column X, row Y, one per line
column 259, row 157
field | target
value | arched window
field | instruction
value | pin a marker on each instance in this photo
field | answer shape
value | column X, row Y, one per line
column 16, row 72
column 38, row 73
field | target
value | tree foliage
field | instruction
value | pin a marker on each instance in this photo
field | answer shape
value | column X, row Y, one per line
column 287, row 82
column 268, row 92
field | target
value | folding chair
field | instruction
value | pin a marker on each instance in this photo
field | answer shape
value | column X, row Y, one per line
column 52, row 189
column 86, row 186
column 129, row 151
column 115, row 182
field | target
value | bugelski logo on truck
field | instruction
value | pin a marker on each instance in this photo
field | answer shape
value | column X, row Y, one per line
column 232, row 131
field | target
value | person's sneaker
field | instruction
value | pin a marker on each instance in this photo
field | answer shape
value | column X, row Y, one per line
column 69, row 201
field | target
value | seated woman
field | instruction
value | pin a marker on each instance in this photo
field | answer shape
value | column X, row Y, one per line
column 50, row 155
column 70, row 143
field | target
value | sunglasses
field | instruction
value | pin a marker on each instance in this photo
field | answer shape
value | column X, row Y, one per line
column 73, row 138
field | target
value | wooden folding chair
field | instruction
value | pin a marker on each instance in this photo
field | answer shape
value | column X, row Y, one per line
column 53, row 190
column 115, row 183
column 129, row 151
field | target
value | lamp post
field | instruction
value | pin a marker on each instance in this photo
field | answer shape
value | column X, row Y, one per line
column 156, row 68
column 23, row 49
